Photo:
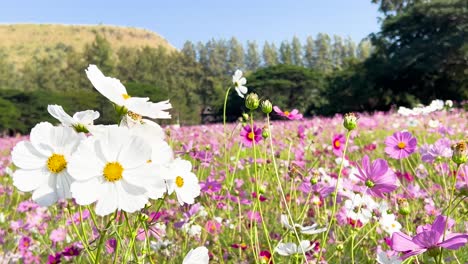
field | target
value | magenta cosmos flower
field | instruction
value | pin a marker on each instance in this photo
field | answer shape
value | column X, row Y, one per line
column 248, row 135
column 338, row 143
column 428, row 237
column 293, row 115
column 378, row 177
column 400, row 145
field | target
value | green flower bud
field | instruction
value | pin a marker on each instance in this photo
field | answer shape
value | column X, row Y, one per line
column 460, row 152
column 339, row 247
column 267, row 107
column 350, row 121
column 252, row 102
column 144, row 217
column 265, row 133
column 404, row 206
column 245, row 116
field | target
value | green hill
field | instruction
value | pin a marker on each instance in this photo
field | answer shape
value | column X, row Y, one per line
column 22, row 41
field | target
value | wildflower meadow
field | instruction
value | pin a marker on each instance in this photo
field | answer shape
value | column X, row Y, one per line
column 386, row 187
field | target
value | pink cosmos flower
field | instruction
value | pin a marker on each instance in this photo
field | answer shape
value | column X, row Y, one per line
column 428, row 237
column 377, row 176
column 338, row 144
column 400, row 145
column 58, row 235
column 293, row 115
column 24, row 244
column 248, row 135
column 440, row 149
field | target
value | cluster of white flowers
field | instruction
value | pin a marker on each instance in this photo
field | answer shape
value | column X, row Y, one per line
column 120, row 167
column 435, row 105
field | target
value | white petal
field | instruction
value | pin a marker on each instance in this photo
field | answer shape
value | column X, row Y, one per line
column 63, row 185
column 25, row 156
column 197, row 256
column 139, row 176
column 86, row 192
column 109, row 199
column 111, row 143
column 134, row 152
column 45, row 195
column 161, row 153
column 131, row 198
column 157, row 188
column 41, row 137
column 243, row 89
column 239, row 92
column 242, row 81
column 85, row 163
column 58, row 113
column 111, row 88
column 86, row 117
column 28, row 180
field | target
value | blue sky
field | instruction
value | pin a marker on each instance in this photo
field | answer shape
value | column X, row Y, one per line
column 177, row 20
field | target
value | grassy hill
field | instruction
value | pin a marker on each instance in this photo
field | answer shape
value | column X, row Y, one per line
column 22, row 41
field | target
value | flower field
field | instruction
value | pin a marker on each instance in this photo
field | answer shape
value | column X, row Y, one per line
column 365, row 188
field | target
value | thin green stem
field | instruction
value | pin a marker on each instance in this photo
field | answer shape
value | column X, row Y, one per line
column 283, row 197
column 324, row 240
column 448, row 210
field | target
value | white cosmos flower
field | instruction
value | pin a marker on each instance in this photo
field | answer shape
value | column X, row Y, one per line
column 182, row 180
column 308, row 230
column 287, row 249
column 114, row 90
column 43, row 162
column 389, row 223
column 81, row 119
column 198, row 255
column 239, row 83
column 111, row 169
column 360, row 208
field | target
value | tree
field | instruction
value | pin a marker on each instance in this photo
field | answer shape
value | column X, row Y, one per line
column 423, row 52
column 338, row 52
column 364, row 49
column 290, row 86
column 189, row 50
column 252, row 57
column 270, row 55
column 322, row 59
column 236, row 55
column 99, row 52
column 296, row 52
column 285, row 53
column 309, row 52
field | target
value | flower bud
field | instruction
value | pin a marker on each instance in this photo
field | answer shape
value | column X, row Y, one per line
column 267, row 107
column 460, row 152
column 350, row 121
column 245, row 117
column 252, row 101
column 265, row 133
column 404, row 206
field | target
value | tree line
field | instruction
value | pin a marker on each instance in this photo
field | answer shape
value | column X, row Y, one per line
column 419, row 54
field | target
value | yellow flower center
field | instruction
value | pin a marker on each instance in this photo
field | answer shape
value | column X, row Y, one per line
column 125, row 96
column 113, row 171
column 134, row 116
column 56, row 163
column 179, row 181
column 401, row 145
column 251, row 135
column 337, row 143
column 286, row 113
